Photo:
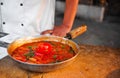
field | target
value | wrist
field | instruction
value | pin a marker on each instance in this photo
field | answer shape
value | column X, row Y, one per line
column 67, row 27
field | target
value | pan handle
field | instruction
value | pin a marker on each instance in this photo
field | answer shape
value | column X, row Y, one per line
column 76, row 32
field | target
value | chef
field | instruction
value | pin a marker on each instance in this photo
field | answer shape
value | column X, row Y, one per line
column 35, row 17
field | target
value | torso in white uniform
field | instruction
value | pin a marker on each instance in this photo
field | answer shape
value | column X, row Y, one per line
column 26, row 17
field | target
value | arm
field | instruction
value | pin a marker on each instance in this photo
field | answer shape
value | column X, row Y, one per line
column 70, row 13
column 69, row 16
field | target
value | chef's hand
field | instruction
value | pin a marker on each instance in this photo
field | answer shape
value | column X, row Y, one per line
column 61, row 31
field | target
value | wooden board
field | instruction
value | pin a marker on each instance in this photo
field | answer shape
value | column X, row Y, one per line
column 92, row 62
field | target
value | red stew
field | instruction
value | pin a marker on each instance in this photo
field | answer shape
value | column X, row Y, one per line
column 43, row 52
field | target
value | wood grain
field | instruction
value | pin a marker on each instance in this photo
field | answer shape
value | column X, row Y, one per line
column 92, row 62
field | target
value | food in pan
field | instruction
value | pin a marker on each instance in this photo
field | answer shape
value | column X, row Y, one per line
column 43, row 52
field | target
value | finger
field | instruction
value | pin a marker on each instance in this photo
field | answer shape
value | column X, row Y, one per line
column 57, row 34
column 47, row 32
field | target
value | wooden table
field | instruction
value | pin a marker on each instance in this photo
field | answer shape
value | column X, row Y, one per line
column 92, row 62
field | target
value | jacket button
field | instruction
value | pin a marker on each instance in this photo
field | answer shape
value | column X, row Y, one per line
column 22, row 24
column 1, row 3
column 3, row 22
column 21, row 4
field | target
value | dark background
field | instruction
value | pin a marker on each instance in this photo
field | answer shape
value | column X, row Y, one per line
column 105, row 33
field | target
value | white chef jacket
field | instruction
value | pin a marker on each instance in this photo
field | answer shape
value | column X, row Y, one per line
column 26, row 17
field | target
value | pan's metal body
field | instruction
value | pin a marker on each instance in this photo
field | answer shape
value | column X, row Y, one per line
column 42, row 67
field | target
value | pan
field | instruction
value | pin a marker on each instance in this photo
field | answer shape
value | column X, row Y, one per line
column 51, row 66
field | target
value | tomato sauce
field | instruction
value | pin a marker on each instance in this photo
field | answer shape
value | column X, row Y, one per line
column 43, row 52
